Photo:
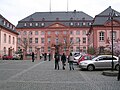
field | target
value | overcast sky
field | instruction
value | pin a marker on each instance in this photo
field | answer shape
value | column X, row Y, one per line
column 15, row 10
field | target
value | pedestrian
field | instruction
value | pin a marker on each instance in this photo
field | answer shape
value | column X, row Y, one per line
column 45, row 56
column 49, row 56
column 70, row 60
column 33, row 57
column 63, row 59
column 57, row 59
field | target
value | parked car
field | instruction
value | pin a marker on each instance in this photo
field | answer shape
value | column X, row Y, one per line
column 85, row 57
column 16, row 57
column 100, row 62
column 7, row 57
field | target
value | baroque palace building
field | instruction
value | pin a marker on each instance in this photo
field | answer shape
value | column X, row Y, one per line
column 67, row 31
column 49, row 30
column 8, row 37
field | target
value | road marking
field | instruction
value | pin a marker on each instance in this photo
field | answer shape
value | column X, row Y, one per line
column 24, row 71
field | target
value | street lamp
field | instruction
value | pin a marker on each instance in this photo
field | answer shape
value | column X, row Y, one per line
column 79, row 45
column 111, row 19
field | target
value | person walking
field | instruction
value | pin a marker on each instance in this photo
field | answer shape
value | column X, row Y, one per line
column 49, row 56
column 45, row 56
column 63, row 59
column 33, row 57
column 70, row 60
column 57, row 59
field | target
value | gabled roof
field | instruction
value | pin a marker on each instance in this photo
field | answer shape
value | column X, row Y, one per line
column 104, row 16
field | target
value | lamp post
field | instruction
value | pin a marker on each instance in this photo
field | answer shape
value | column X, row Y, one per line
column 111, row 18
column 79, row 45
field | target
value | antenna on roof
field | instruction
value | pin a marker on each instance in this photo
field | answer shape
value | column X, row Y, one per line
column 50, row 6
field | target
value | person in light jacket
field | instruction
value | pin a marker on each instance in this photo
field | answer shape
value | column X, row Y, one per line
column 70, row 60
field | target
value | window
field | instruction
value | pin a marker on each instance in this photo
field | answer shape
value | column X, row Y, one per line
column 49, row 49
column 84, row 49
column 30, row 49
column 71, row 32
column 77, row 49
column 30, row 40
column 36, row 32
column 36, row 40
column 42, row 33
column 24, row 33
column 42, row 40
column 49, row 40
column 56, row 32
column 18, row 40
column 84, row 32
column 71, row 24
column 24, row 40
column 71, row 49
column 57, row 40
column 71, row 40
column 77, row 40
column 36, row 24
column 101, row 36
column 64, row 32
column 42, row 49
column 4, row 23
column 42, row 24
column 9, row 39
column 83, row 23
column 13, row 40
column 30, row 24
column 30, row 32
column 84, row 40
column 5, row 38
column 25, row 24
column 114, row 35
column 49, row 32
column 77, row 32
column 4, row 50
column 19, row 32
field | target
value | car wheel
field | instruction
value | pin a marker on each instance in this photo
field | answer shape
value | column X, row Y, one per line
column 90, row 68
column 117, row 67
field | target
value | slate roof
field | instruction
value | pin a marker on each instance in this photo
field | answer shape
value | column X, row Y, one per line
column 9, row 27
column 50, row 17
column 104, row 16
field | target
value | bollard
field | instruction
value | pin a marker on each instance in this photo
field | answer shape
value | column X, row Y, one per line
column 119, row 68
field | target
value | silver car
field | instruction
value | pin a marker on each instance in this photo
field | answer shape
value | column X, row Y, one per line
column 100, row 62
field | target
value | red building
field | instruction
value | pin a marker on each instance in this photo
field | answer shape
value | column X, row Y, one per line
column 100, row 34
column 49, row 30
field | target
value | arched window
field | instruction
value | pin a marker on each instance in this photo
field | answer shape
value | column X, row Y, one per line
column 4, row 50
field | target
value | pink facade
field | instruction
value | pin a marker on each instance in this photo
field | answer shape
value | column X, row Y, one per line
column 8, row 37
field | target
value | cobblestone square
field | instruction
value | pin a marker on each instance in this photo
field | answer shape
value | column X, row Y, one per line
column 40, row 75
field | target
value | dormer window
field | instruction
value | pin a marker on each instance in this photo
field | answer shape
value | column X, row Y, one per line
column 71, row 24
column 36, row 24
column 30, row 24
column 10, row 26
column 42, row 24
column 25, row 24
column 4, row 23
column 13, row 28
column 89, row 23
column 83, row 23
column 7, row 24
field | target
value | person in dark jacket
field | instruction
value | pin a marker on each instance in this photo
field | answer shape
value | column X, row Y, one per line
column 33, row 57
column 57, row 59
column 63, row 59
column 49, row 56
column 45, row 56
